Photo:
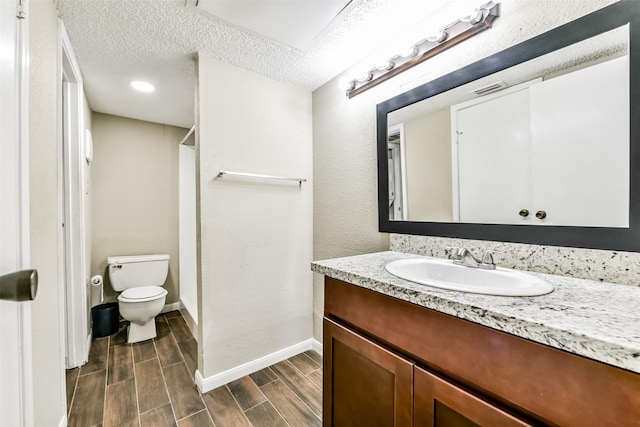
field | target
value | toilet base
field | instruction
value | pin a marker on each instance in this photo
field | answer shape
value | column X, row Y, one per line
column 137, row 333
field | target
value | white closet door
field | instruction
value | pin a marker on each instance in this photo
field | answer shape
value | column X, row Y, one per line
column 580, row 156
column 494, row 160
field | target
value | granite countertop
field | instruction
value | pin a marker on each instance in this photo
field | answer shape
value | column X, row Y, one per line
column 597, row 320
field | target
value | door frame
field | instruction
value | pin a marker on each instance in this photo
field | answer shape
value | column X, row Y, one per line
column 402, row 183
column 72, row 185
column 16, row 387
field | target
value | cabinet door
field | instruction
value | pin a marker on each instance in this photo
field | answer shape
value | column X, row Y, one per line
column 439, row 403
column 364, row 384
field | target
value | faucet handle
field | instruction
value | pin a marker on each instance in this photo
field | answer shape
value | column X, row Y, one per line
column 487, row 259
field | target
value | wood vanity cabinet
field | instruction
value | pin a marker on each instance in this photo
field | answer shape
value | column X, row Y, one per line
column 388, row 362
column 371, row 386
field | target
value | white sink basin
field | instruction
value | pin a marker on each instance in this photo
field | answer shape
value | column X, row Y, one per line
column 447, row 275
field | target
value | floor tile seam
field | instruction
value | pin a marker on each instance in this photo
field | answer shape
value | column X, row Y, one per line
column 307, row 351
column 315, row 383
column 170, row 328
column 196, row 413
column 238, row 403
column 307, row 376
column 133, row 352
column 295, row 367
column 270, row 382
column 119, row 381
column 184, row 359
column 179, row 351
column 313, row 362
column 266, row 399
column 135, row 386
column 303, row 374
column 206, row 408
column 154, row 408
column 173, row 364
column 166, row 389
column 137, row 409
column 92, row 372
column 254, row 383
column 76, row 389
column 106, row 380
column 276, row 409
column 109, row 354
column 300, row 399
column 73, row 395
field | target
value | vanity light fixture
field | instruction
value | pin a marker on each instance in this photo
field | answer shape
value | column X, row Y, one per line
column 452, row 34
column 142, row 86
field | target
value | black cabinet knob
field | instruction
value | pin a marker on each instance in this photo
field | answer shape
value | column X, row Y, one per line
column 524, row 213
column 541, row 214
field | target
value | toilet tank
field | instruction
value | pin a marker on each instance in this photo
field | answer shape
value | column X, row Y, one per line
column 139, row 270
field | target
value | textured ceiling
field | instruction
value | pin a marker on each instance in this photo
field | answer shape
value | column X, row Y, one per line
column 293, row 23
column 116, row 41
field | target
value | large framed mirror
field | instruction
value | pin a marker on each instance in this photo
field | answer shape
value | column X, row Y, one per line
column 535, row 144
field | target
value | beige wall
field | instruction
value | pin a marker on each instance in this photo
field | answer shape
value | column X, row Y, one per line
column 428, row 160
column 344, row 143
column 44, row 151
column 255, row 235
column 134, row 193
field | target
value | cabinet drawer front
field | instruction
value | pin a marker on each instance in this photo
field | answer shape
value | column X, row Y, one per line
column 364, row 384
column 439, row 403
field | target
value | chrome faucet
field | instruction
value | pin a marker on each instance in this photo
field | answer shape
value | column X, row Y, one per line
column 464, row 257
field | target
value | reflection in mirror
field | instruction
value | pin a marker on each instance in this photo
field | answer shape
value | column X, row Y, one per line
column 545, row 142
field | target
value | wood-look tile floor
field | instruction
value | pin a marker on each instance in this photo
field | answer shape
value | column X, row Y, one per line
column 152, row 384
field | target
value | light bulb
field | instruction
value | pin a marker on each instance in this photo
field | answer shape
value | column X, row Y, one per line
column 142, row 86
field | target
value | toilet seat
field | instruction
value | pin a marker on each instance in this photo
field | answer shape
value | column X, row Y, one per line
column 142, row 294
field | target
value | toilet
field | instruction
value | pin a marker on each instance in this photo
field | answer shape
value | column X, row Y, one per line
column 140, row 280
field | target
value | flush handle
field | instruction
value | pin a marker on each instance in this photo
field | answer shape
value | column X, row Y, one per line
column 541, row 214
column 19, row 286
column 524, row 213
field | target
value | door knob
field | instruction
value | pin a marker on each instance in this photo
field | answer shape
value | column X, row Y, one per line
column 524, row 213
column 19, row 285
column 541, row 214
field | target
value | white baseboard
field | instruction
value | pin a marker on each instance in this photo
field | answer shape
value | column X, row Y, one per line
column 316, row 346
column 214, row 381
column 193, row 326
column 171, row 307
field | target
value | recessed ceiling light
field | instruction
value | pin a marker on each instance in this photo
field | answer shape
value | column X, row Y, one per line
column 142, row 86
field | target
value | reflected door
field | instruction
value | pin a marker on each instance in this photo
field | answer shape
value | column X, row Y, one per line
column 493, row 159
column 580, row 156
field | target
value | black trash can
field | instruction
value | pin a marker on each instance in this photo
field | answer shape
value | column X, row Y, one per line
column 105, row 319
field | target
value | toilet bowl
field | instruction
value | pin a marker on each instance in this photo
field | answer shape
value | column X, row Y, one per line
column 139, row 279
column 140, row 306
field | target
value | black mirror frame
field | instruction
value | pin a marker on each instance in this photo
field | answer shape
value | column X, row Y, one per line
column 624, row 239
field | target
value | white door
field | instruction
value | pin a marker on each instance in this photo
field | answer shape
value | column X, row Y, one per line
column 493, row 159
column 15, row 318
column 580, row 156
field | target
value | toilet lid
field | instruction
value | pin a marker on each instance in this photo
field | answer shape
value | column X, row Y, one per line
column 143, row 292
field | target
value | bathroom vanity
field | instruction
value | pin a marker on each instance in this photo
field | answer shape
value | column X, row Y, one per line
column 399, row 353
